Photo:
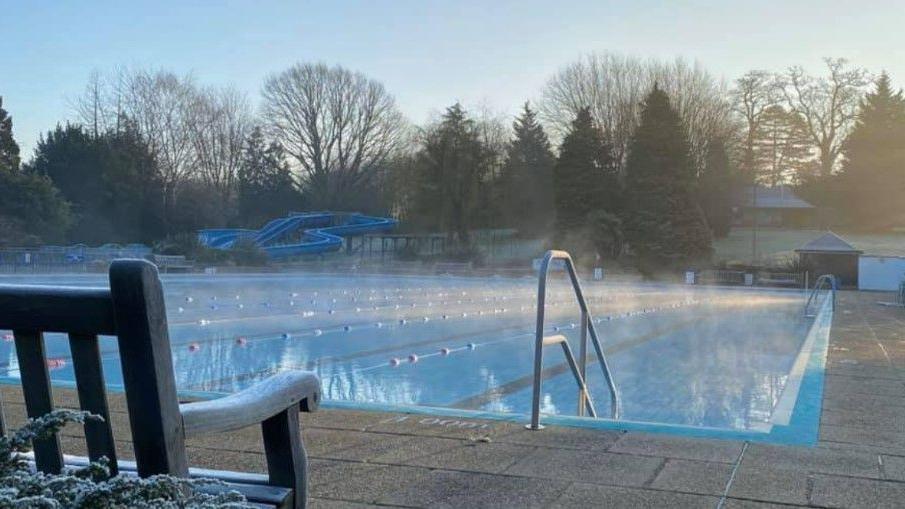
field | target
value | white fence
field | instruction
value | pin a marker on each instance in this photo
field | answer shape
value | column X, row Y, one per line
column 880, row 272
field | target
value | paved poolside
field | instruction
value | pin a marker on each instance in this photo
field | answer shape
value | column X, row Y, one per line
column 364, row 459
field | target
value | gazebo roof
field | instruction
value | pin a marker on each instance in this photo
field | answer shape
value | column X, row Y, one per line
column 829, row 242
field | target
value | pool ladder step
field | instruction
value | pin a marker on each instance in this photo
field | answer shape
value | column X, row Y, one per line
column 559, row 339
column 555, row 340
column 578, row 368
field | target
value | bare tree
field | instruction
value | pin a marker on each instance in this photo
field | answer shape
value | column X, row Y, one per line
column 614, row 86
column 93, row 106
column 753, row 95
column 195, row 135
column 339, row 126
column 219, row 123
column 160, row 105
column 827, row 105
column 702, row 101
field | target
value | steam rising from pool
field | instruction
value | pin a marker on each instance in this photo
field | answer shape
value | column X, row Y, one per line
column 680, row 354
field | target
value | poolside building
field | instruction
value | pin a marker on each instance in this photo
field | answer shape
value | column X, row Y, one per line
column 776, row 206
column 830, row 254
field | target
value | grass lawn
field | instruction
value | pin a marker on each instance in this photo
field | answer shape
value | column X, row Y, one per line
column 777, row 243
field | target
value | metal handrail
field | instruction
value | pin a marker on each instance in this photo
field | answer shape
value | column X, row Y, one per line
column 587, row 330
column 822, row 281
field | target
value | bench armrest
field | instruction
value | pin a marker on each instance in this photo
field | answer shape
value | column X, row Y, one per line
column 252, row 405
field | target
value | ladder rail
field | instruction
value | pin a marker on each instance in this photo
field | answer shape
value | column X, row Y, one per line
column 588, row 331
column 827, row 280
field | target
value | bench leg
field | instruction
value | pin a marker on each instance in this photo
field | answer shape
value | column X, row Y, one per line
column 287, row 463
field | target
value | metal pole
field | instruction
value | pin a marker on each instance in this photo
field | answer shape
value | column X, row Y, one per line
column 754, row 223
column 583, row 363
column 539, row 345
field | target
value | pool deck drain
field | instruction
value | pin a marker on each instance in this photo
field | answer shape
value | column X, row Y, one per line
column 362, row 459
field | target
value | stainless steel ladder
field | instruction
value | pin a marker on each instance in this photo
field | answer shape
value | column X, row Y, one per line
column 579, row 367
column 824, row 280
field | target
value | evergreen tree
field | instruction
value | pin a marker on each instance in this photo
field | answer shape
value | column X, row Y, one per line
column 716, row 188
column 584, row 178
column 111, row 181
column 266, row 187
column 527, row 176
column 874, row 165
column 9, row 149
column 451, row 167
column 665, row 227
column 31, row 208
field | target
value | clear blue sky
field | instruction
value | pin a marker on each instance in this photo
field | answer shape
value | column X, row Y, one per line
column 427, row 53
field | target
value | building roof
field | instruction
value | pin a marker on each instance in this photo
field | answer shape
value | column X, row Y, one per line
column 829, row 242
column 779, row 197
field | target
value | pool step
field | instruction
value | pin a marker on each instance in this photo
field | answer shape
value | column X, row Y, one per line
column 554, row 339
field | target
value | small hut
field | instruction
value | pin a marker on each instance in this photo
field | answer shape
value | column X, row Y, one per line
column 830, row 254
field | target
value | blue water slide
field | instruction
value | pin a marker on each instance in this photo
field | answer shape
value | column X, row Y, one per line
column 320, row 232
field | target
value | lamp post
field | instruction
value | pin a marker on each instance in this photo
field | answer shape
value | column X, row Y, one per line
column 754, row 222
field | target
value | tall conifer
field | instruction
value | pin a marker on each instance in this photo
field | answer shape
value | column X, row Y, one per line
column 664, row 224
column 874, row 166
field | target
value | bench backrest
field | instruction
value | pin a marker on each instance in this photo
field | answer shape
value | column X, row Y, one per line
column 133, row 310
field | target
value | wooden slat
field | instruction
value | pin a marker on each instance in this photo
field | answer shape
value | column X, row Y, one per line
column 89, row 380
column 2, row 421
column 224, row 475
column 144, row 347
column 38, row 396
column 287, row 463
column 56, row 309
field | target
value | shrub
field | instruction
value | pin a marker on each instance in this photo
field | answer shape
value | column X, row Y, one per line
column 92, row 486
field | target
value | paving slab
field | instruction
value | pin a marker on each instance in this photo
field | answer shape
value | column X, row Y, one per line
column 703, row 477
column 397, row 448
column 679, row 447
column 735, row 503
column 850, row 492
column 445, row 489
column 475, row 457
column 893, row 467
column 563, row 437
column 812, row 459
column 584, row 466
column 612, row 497
column 768, row 484
column 376, row 484
column 323, row 503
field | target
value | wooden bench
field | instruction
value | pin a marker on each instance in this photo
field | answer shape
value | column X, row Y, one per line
column 133, row 310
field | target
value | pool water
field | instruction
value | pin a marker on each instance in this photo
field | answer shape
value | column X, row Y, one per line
column 687, row 358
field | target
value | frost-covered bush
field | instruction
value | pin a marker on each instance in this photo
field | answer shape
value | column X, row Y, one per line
column 92, row 487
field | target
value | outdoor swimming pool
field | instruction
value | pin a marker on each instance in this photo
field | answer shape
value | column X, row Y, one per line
column 692, row 360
